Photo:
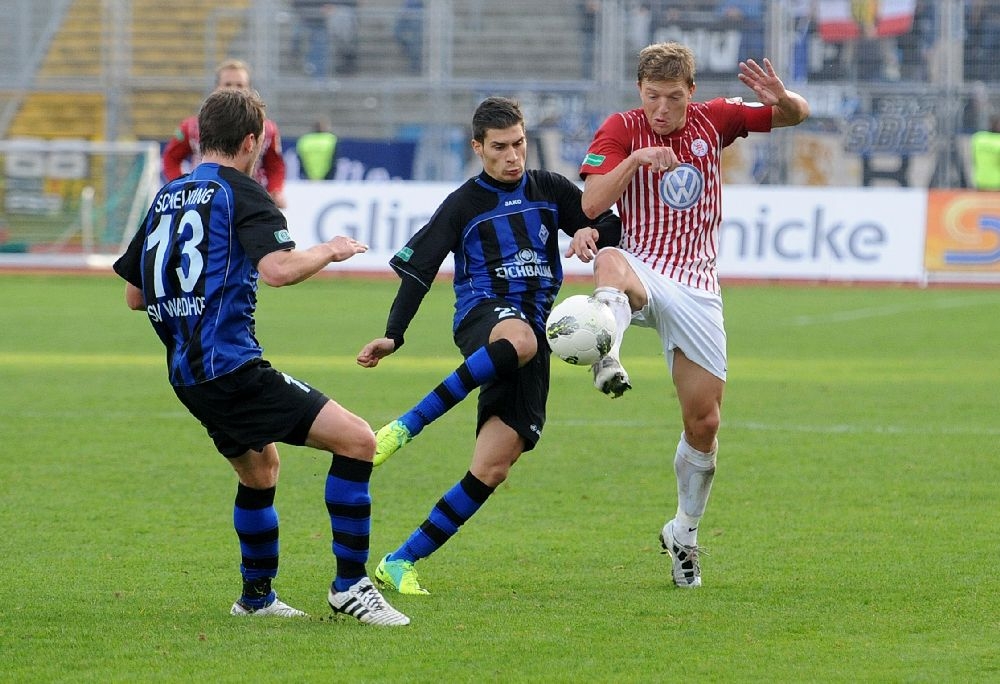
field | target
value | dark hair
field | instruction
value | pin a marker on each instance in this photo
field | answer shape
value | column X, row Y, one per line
column 227, row 117
column 495, row 114
column 666, row 62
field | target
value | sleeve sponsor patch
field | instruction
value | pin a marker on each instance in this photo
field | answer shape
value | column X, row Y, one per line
column 593, row 159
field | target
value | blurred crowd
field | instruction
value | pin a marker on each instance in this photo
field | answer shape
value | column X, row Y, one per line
column 873, row 53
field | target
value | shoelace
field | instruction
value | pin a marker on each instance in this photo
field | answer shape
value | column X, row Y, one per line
column 691, row 553
column 692, row 559
column 372, row 598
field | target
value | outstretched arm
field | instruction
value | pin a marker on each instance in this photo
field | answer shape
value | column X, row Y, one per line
column 788, row 108
column 375, row 351
column 404, row 308
column 291, row 266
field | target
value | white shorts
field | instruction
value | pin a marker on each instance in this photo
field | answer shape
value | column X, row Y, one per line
column 686, row 318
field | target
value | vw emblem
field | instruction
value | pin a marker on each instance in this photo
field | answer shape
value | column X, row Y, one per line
column 682, row 187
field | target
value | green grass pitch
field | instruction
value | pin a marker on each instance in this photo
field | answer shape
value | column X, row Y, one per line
column 852, row 532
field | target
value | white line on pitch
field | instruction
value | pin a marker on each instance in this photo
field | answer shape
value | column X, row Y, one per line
column 833, row 429
column 883, row 311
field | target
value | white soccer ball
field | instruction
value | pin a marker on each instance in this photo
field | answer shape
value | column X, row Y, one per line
column 580, row 330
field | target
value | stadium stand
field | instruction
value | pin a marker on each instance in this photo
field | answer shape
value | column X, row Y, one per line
column 130, row 69
column 169, row 52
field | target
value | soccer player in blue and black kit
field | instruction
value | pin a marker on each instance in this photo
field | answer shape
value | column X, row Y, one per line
column 193, row 267
column 502, row 227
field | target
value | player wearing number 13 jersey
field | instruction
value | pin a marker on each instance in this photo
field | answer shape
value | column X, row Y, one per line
column 660, row 164
column 193, row 267
column 198, row 276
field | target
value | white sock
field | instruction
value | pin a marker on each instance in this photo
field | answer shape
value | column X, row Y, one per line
column 695, row 471
column 618, row 301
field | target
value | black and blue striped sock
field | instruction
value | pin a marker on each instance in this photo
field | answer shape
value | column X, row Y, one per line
column 350, row 507
column 256, row 523
column 452, row 511
column 489, row 362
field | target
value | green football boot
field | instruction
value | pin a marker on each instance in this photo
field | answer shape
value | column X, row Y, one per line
column 398, row 575
column 389, row 439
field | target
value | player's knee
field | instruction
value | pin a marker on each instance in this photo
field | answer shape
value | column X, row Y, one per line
column 609, row 265
column 702, row 430
column 526, row 345
column 258, row 470
column 259, row 480
column 494, row 474
column 352, row 437
column 361, row 443
column 521, row 337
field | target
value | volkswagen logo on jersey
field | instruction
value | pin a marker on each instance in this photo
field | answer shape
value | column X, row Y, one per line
column 682, row 187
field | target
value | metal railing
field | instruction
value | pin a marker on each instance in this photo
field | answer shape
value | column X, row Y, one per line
column 900, row 97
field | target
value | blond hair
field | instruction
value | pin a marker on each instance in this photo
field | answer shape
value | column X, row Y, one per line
column 666, row 62
column 228, row 64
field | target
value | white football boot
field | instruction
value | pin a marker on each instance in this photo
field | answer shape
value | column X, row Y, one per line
column 610, row 377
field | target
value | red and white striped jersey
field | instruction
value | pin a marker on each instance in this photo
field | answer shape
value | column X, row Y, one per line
column 671, row 220
column 185, row 145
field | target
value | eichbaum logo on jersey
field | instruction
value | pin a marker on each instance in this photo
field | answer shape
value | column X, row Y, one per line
column 527, row 264
column 682, row 187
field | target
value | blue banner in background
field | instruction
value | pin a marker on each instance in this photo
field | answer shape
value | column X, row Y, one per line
column 358, row 159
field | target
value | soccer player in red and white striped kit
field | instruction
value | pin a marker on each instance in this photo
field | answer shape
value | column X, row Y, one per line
column 185, row 145
column 661, row 165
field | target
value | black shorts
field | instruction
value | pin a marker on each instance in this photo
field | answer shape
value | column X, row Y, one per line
column 519, row 400
column 252, row 407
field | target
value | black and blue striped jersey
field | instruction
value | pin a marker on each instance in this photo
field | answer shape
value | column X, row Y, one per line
column 504, row 238
column 194, row 257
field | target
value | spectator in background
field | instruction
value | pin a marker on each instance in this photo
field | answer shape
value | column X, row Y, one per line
column 985, row 148
column 640, row 26
column 916, row 48
column 409, row 31
column 802, row 14
column 982, row 40
column 873, row 56
column 312, row 37
column 328, row 26
column 590, row 12
column 663, row 16
column 184, row 147
column 670, row 17
column 316, row 151
column 343, row 24
column 748, row 16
